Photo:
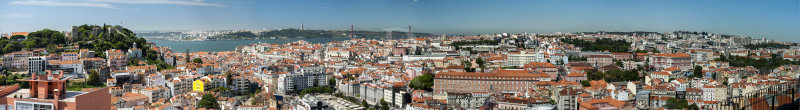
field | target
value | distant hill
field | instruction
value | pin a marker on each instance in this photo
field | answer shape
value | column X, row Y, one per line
column 295, row 33
column 625, row 33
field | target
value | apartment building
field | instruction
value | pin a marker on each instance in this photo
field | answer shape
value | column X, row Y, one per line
column 667, row 60
column 499, row 81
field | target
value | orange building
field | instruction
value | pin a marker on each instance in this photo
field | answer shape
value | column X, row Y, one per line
column 498, row 81
column 47, row 92
column 19, row 33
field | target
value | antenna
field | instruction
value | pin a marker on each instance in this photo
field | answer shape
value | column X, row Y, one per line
column 410, row 35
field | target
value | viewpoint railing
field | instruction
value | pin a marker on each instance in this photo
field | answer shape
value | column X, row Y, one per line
column 767, row 98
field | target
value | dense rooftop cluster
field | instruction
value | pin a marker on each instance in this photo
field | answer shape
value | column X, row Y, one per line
column 563, row 71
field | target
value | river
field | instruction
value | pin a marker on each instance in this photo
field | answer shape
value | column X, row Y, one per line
column 229, row 45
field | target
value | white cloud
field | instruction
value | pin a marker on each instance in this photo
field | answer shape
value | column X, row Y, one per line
column 62, row 3
column 415, row 1
column 169, row 2
column 18, row 15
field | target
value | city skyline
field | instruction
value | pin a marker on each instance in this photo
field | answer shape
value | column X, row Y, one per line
column 772, row 20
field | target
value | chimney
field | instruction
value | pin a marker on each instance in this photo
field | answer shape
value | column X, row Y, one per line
column 56, row 97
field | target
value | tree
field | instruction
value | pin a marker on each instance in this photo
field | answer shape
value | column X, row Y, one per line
column 693, row 107
column 384, row 105
column 365, row 104
column 585, row 83
column 94, row 78
column 29, row 44
column 229, row 77
column 673, row 103
column 198, row 60
column 603, row 44
column 17, row 37
column 480, row 63
column 614, row 75
column 208, row 101
column 592, row 75
column 316, row 90
column 220, row 89
column 133, row 62
column 722, row 58
column 423, row 82
column 332, row 82
column 467, row 66
column 697, row 72
column 188, row 58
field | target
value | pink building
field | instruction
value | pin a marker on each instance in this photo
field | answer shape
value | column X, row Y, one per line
column 116, row 59
column 543, row 67
column 600, row 60
column 47, row 92
column 667, row 60
column 622, row 56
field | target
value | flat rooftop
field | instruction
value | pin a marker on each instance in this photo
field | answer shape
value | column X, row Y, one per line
column 69, row 96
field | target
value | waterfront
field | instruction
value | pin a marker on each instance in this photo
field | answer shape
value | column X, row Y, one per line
column 229, row 45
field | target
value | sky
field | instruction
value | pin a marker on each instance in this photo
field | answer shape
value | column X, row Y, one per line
column 772, row 19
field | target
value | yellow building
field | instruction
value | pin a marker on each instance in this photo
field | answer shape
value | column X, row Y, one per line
column 199, row 85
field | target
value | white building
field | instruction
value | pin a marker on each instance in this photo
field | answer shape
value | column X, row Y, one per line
column 520, row 58
column 37, row 64
column 66, row 56
column 75, row 65
column 423, row 57
column 708, row 92
column 299, row 80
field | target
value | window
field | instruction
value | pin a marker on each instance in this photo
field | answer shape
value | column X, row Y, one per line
column 24, row 105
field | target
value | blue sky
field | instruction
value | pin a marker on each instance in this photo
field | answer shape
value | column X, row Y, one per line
column 774, row 19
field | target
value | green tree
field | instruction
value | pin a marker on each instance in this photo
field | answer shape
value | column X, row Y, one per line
column 220, row 89
column 94, row 78
column 614, row 75
column 332, row 82
column 208, row 101
column 29, row 44
column 133, row 62
column 585, row 83
column 365, row 104
column 693, row 107
column 722, row 58
column 198, row 60
column 697, row 72
column 481, row 63
column 229, row 77
column 188, row 57
column 423, row 82
column 467, row 66
column 384, row 105
column 673, row 103
column 17, row 37
column 602, row 44
column 316, row 90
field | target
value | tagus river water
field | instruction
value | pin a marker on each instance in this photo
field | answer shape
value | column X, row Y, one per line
column 229, row 45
